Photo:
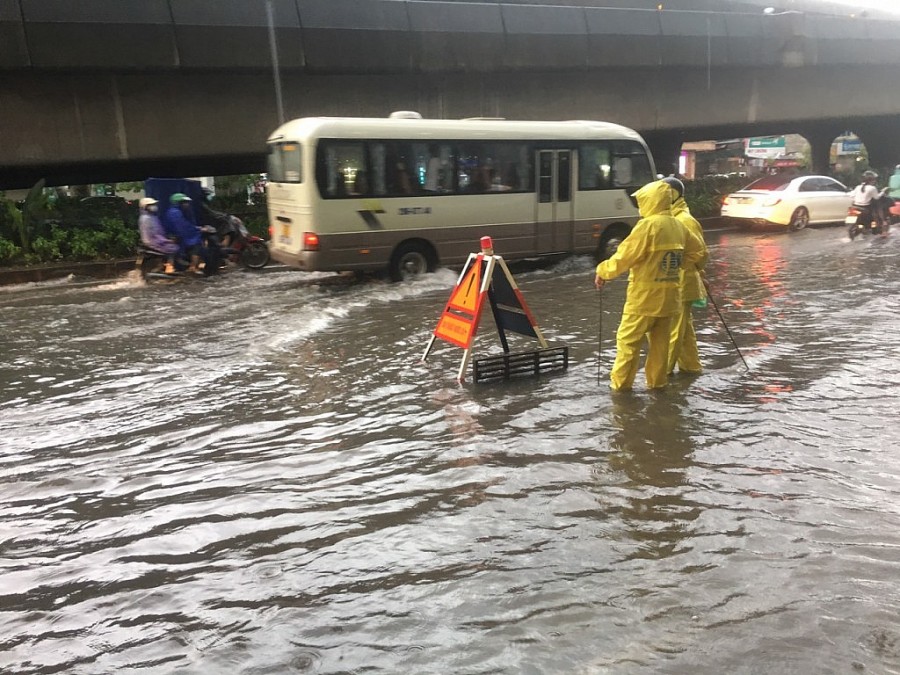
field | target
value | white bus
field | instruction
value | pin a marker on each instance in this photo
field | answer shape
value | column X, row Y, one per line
column 406, row 194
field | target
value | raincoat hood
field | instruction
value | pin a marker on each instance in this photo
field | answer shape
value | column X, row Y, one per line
column 654, row 199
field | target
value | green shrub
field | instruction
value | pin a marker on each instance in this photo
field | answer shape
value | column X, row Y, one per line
column 119, row 239
column 83, row 245
column 704, row 195
column 45, row 250
column 113, row 239
column 9, row 252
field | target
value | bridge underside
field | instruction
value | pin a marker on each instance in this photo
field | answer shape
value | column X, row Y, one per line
column 101, row 126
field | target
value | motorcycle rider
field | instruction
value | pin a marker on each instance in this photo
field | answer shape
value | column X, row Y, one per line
column 864, row 197
column 179, row 222
column 153, row 236
column 223, row 223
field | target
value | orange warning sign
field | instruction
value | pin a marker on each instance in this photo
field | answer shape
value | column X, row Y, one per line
column 455, row 330
column 459, row 320
column 465, row 297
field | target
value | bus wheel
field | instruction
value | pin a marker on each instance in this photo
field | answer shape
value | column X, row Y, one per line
column 411, row 259
column 609, row 242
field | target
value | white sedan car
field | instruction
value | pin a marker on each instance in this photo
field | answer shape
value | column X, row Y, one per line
column 792, row 202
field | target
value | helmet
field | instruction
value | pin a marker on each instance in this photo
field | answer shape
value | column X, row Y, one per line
column 179, row 197
column 147, row 201
column 869, row 176
column 897, row 168
column 675, row 184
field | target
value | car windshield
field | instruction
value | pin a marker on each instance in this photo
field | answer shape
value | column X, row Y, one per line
column 771, row 183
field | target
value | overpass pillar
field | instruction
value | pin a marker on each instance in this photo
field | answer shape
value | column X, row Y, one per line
column 882, row 142
column 820, row 139
column 666, row 150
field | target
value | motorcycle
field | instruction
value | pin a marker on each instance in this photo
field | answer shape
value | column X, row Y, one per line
column 885, row 212
column 151, row 264
column 239, row 246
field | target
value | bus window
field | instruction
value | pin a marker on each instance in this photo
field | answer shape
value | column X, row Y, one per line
column 514, row 164
column 284, row 164
column 377, row 179
column 434, row 167
column 546, row 177
column 594, row 166
column 337, row 166
column 564, row 177
column 495, row 167
column 613, row 164
column 622, row 172
column 393, row 166
column 630, row 165
column 474, row 168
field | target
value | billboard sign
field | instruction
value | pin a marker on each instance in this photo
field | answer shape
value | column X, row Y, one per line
column 765, row 147
column 849, row 146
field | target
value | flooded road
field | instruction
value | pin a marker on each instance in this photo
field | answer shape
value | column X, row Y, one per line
column 259, row 475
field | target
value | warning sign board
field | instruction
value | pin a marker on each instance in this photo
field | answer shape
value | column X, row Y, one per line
column 459, row 320
column 485, row 276
column 465, row 296
column 455, row 330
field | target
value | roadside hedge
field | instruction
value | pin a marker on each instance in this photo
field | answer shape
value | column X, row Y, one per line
column 47, row 229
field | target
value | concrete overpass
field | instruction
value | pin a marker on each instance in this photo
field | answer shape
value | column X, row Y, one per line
column 111, row 90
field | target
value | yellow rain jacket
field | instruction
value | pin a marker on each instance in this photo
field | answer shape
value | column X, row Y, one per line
column 655, row 252
column 691, row 285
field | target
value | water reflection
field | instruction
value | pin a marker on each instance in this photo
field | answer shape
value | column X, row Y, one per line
column 273, row 482
column 652, row 446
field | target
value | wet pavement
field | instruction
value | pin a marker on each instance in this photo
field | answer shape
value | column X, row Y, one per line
column 257, row 474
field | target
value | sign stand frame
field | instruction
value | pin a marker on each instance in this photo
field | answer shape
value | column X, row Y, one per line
column 459, row 321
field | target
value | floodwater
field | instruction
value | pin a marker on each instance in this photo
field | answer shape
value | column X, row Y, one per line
column 258, row 474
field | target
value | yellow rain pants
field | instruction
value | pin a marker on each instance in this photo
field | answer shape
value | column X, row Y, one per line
column 629, row 337
column 683, row 350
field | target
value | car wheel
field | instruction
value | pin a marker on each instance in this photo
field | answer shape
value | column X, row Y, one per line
column 799, row 220
column 410, row 260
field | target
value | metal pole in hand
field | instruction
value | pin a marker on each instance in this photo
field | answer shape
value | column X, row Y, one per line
column 599, row 331
column 722, row 319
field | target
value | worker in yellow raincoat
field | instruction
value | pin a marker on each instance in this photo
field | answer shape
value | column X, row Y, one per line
column 683, row 341
column 655, row 253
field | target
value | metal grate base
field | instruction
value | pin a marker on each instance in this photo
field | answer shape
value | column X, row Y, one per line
column 504, row 366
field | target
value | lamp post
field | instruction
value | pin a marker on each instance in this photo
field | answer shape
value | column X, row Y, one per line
column 276, row 71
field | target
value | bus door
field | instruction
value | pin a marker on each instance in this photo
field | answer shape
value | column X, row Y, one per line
column 555, row 209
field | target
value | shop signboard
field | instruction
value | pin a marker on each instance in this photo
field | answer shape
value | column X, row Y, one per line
column 765, row 147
